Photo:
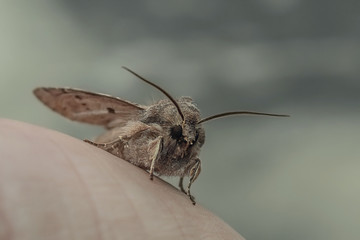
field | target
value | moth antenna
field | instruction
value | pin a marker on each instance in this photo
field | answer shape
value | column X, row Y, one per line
column 239, row 113
column 160, row 89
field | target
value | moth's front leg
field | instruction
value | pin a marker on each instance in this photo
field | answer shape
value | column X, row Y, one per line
column 109, row 146
column 194, row 173
column 181, row 186
column 155, row 148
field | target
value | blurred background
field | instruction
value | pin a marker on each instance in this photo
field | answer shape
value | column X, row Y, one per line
column 269, row 178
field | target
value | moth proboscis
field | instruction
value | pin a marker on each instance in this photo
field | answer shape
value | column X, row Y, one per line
column 164, row 138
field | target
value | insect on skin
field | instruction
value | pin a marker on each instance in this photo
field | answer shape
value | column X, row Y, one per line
column 164, row 138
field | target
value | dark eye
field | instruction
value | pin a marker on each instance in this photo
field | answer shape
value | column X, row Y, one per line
column 196, row 136
column 176, row 132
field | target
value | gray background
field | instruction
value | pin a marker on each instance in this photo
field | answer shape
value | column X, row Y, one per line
column 269, row 178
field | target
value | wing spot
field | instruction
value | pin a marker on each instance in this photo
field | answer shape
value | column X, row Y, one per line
column 110, row 110
column 78, row 97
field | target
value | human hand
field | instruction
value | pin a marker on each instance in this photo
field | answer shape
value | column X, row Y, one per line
column 53, row 186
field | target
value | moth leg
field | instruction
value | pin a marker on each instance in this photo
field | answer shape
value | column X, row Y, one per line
column 106, row 146
column 194, row 173
column 181, row 186
column 155, row 148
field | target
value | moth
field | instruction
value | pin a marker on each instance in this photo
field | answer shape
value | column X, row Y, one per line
column 164, row 138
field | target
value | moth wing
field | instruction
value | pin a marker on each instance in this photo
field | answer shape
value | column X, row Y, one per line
column 88, row 107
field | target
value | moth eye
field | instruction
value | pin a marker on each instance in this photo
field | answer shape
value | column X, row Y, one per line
column 176, row 132
column 196, row 136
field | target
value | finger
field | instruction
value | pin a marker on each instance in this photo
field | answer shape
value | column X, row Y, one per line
column 55, row 185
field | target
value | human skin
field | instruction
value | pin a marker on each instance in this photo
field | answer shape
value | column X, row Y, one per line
column 53, row 186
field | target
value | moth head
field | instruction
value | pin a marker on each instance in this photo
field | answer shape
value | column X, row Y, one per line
column 188, row 132
column 186, row 135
